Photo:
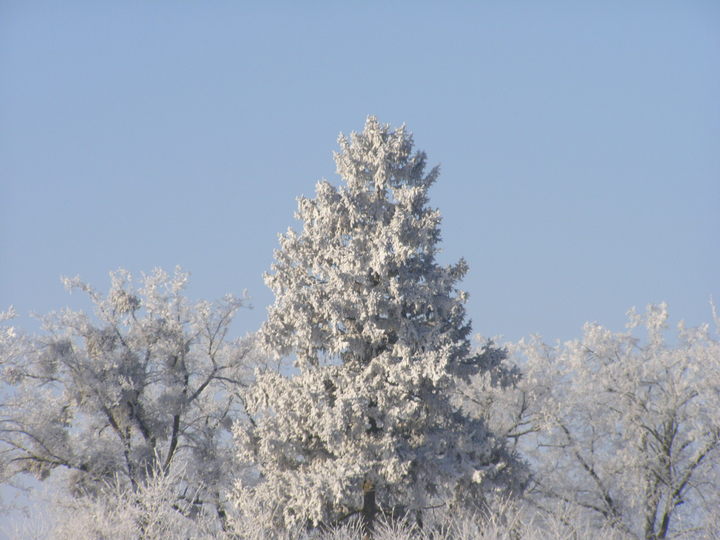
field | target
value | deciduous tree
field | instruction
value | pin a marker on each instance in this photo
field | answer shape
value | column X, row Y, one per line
column 148, row 384
column 624, row 427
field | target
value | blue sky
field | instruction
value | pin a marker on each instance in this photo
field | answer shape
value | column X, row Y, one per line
column 579, row 144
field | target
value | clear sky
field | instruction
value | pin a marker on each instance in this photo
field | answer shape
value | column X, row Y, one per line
column 579, row 144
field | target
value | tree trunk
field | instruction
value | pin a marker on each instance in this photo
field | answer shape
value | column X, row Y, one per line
column 369, row 509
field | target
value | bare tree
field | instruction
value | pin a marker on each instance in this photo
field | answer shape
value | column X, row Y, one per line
column 148, row 384
column 624, row 428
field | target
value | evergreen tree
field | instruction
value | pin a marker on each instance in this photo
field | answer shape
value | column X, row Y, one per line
column 378, row 335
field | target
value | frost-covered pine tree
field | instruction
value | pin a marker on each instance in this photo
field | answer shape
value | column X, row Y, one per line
column 377, row 331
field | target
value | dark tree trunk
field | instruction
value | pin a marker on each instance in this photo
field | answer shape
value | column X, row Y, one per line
column 369, row 509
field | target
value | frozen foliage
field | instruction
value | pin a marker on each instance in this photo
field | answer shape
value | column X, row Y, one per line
column 387, row 422
column 623, row 428
column 377, row 332
column 120, row 514
column 152, row 511
column 148, row 385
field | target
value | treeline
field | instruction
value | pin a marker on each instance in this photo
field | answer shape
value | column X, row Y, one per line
column 360, row 407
